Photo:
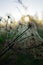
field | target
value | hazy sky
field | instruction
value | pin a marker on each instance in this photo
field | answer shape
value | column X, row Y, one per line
column 8, row 6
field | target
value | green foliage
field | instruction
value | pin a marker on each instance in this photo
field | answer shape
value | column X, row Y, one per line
column 40, row 32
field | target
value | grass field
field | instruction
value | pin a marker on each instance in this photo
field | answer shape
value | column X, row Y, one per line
column 20, row 59
column 12, row 57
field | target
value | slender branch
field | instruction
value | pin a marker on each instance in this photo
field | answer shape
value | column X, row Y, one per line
column 11, row 45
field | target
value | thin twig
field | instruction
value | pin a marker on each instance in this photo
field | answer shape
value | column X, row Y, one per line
column 11, row 45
